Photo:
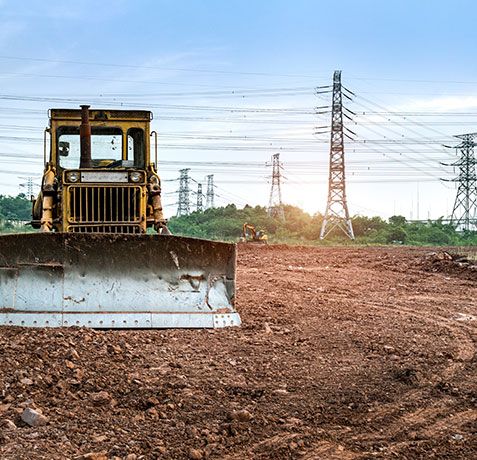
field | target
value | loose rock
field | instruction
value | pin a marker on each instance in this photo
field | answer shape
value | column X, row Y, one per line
column 100, row 398
column 92, row 456
column 72, row 354
column 33, row 418
column 8, row 425
column 100, row 438
column 241, row 415
column 195, row 454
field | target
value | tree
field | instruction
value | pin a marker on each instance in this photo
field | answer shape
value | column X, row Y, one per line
column 397, row 221
column 15, row 208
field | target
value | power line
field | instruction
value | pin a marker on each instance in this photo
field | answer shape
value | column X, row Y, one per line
column 175, row 69
column 269, row 110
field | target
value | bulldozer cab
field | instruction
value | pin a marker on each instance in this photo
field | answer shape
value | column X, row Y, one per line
column 119, row 139
column 99, row 176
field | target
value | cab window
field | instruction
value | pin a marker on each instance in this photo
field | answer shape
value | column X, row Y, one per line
column 136, row 147
column 106, row 146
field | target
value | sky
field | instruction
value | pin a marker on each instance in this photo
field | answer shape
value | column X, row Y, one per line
column 233, row 82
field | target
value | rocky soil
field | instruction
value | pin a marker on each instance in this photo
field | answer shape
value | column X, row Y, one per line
column 345, row 353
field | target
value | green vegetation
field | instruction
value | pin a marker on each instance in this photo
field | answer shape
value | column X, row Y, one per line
column 15, row 208
column 299, row 227
column 14, row 212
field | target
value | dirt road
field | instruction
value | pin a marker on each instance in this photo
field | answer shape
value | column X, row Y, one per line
column 345, row 353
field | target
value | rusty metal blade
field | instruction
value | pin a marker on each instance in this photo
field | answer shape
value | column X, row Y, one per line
column 109, row 280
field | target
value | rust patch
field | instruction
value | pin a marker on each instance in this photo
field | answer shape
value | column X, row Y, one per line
column 194, row 280
column 74, row 300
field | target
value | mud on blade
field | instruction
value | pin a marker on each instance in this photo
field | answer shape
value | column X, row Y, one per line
column 116, row 281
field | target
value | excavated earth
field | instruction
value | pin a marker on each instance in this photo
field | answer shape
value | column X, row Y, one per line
column 345, row 353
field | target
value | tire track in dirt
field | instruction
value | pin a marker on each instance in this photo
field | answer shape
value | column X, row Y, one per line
column 424, row 420
column 461, row 331
column 427, row 422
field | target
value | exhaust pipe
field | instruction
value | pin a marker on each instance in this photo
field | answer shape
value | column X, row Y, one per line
column 85, row 138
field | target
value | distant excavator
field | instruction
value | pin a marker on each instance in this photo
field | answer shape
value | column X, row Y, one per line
column 255, row 236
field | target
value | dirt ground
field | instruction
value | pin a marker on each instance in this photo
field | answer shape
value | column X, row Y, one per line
column 345, row 353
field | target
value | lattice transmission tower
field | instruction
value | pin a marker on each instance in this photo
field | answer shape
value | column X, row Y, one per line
column 29, row 185
column 336, row 214
column 199, row 206
column 183, row 207
column 209, row 198
column 464, row 213
column 275, row 204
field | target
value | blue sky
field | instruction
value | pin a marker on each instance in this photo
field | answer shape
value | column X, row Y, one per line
column 214, row 57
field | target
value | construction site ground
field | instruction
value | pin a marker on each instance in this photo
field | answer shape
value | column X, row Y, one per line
column 344, row 353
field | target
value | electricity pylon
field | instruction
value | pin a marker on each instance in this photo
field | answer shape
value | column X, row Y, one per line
column 464, row 213
column 199, row 206
column 184, row 204
column 209, row 199
column 275, row 205
column 336, row 214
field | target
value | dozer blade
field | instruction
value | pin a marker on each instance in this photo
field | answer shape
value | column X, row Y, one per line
column 116, row 281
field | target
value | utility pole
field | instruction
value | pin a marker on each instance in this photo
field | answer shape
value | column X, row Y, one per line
column 184, row 205
column 464, row 213
column 209, row 199
column 200, row 208
column 336, row 214
column 275, row 205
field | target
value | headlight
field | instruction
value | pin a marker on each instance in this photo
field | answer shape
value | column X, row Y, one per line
column 73, row 176
column 135, row 176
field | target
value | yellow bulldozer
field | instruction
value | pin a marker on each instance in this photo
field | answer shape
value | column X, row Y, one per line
column 92, row 262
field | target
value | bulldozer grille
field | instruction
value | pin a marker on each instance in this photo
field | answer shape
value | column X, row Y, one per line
column 104, row 229
column 104, row 209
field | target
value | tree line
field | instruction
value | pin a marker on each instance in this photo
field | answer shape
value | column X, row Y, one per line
column 299, row 227
column 14, row 211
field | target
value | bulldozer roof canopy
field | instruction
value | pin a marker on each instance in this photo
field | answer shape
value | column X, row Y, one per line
column 101, row 115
